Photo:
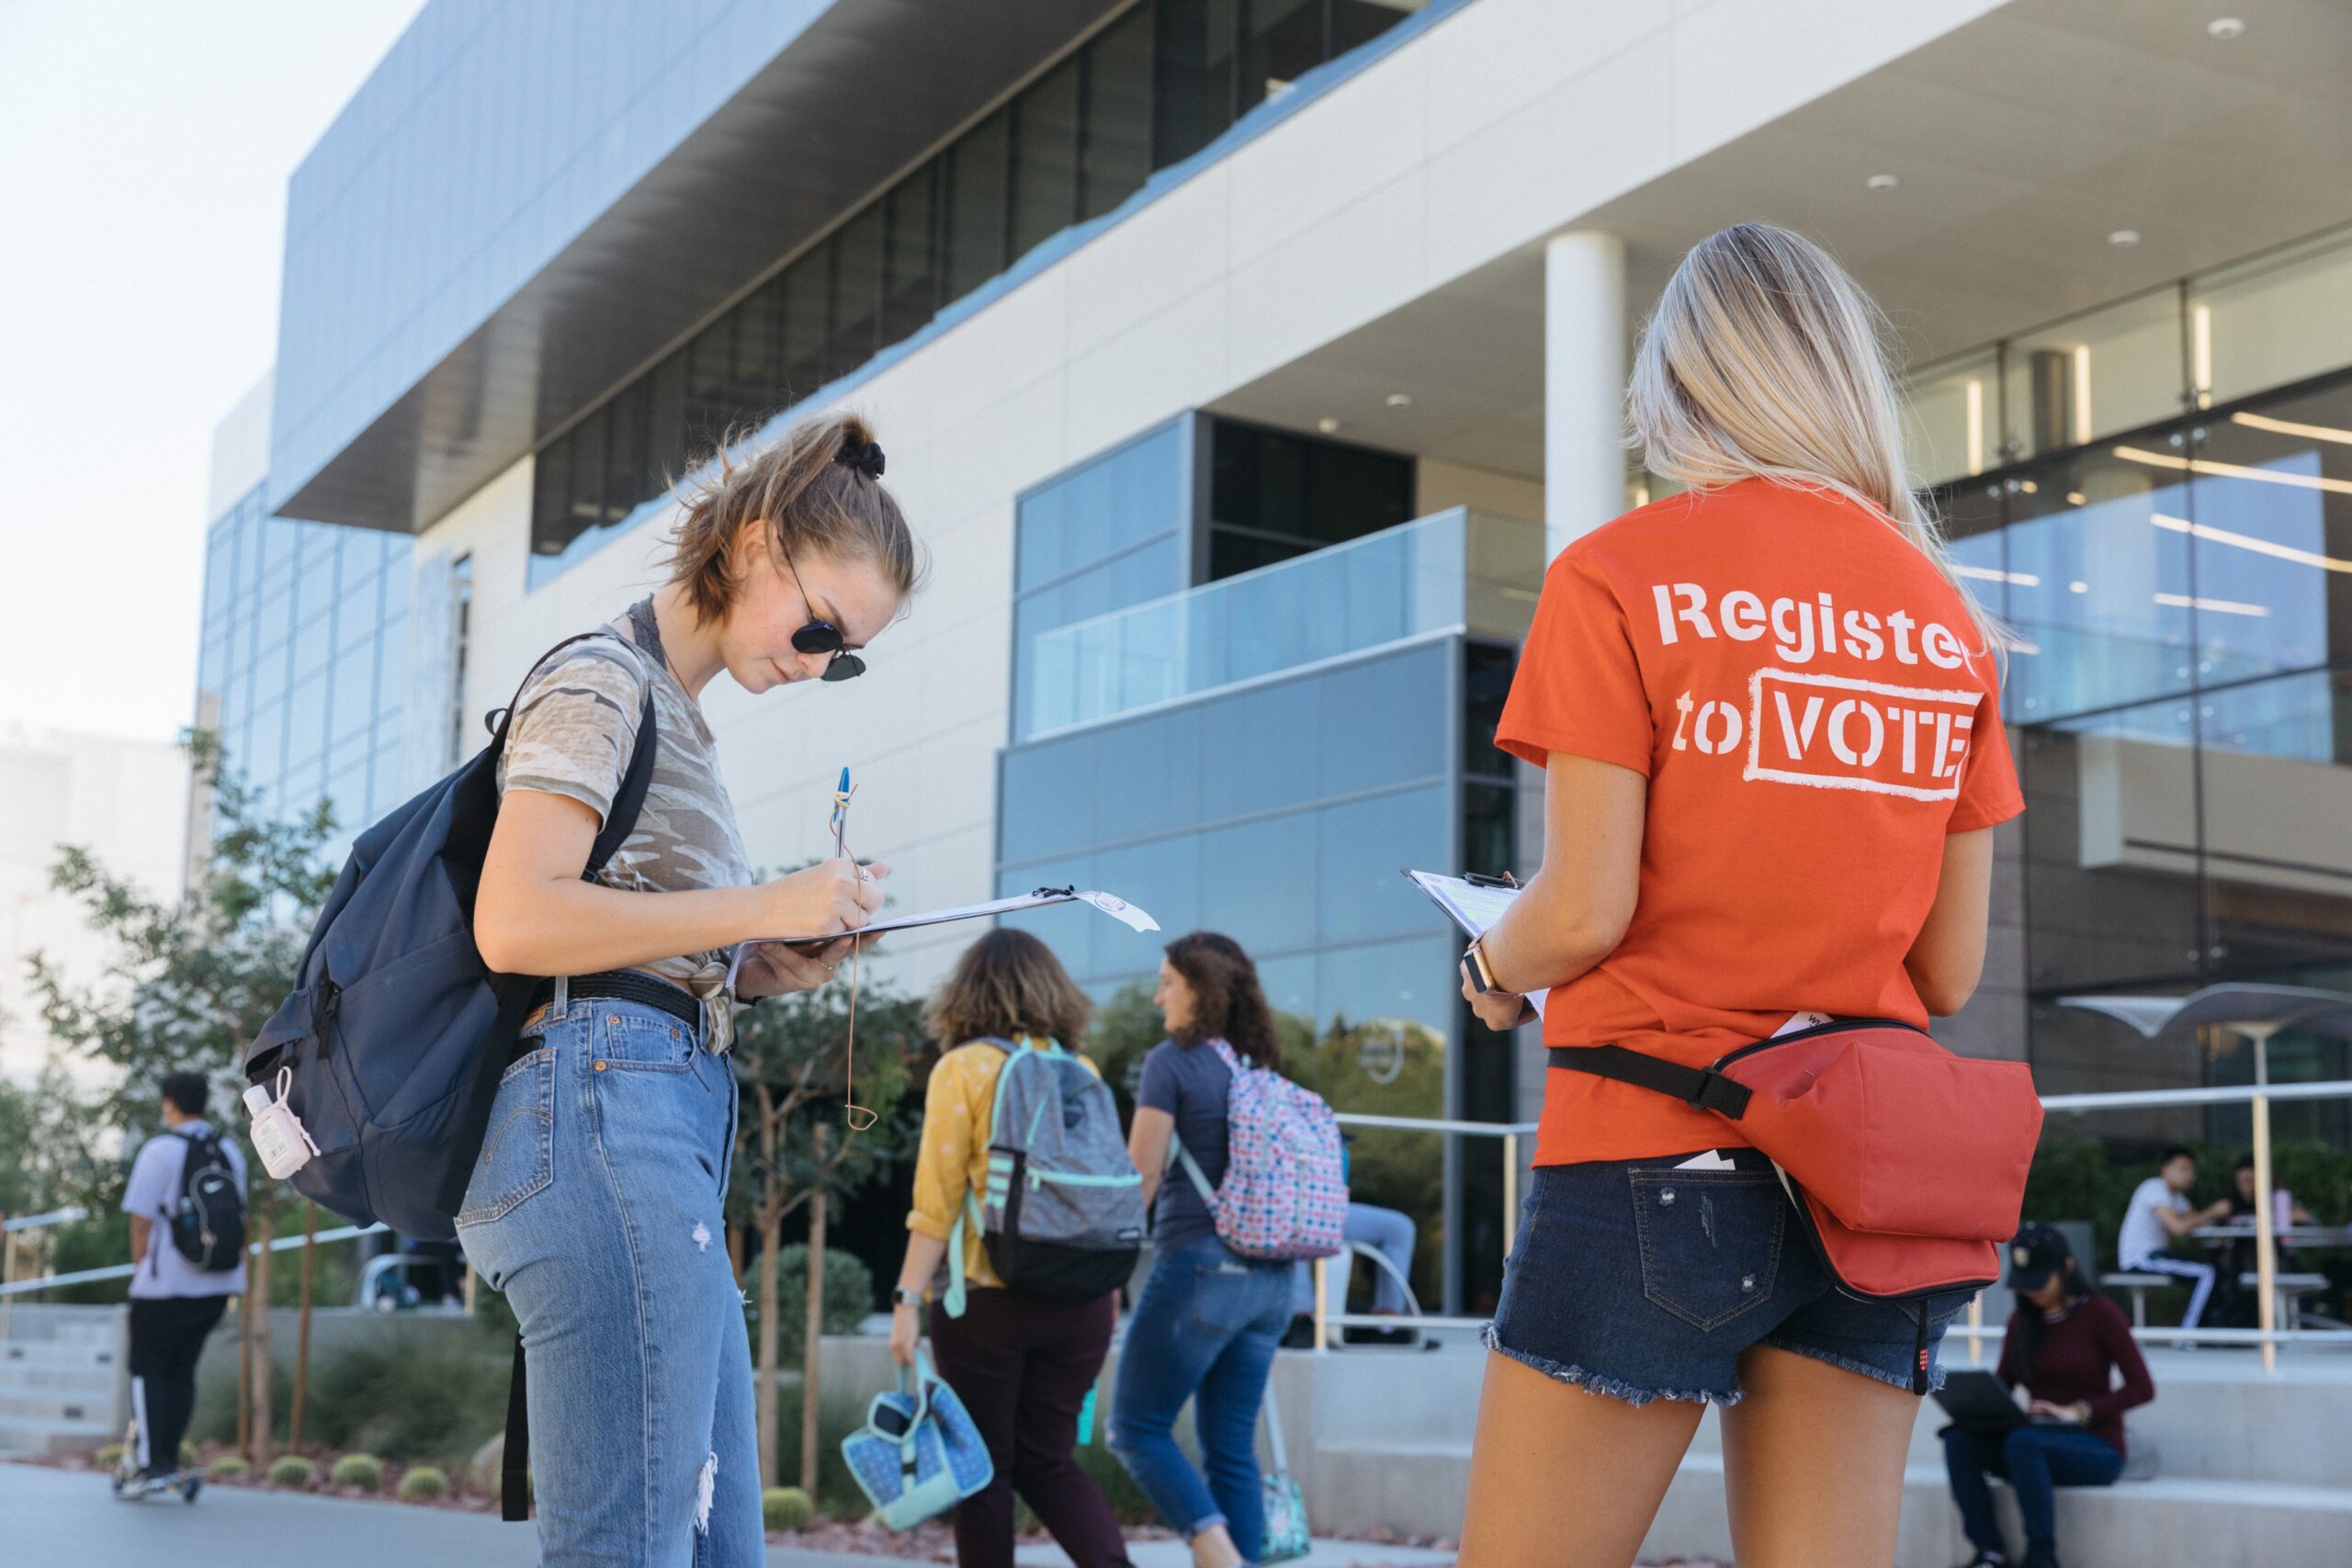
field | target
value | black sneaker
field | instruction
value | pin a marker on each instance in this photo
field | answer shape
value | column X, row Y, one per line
column 1986, row 1560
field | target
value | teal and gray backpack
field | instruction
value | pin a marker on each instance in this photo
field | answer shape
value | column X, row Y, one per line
column 1062, row 1218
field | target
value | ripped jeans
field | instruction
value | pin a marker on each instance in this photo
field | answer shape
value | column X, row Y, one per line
column 595, row 1207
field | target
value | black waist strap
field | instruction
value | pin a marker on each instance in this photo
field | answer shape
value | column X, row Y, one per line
column 1701, row 1087
column 626, row 986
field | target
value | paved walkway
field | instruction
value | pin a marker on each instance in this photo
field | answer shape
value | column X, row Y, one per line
column 62, row 1518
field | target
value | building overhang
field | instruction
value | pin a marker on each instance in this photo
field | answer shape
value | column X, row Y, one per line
column 865, row 91
column 2020, row 142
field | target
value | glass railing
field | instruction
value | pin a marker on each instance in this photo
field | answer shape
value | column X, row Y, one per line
column 1457, row 569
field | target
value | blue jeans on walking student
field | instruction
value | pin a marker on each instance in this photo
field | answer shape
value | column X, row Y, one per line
column 597, row 1208
column 2034, row 1459
column 1205, row 1329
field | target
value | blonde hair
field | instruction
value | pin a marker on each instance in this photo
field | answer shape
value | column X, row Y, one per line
column 813, row 501
column 1764, row 359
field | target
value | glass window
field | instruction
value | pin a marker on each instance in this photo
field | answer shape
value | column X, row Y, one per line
column 667, row 441
column 1358, row 743
column 1413, row 980
column 1255, row 734
column 626, row 480
column 588, row 471
column 392, row 670
column 1285, row 41
column 1042, row 547
column 808, row 292
column 1362, row 844
column 2112, row 369
column 2280, row 319
column 354, row 705
column 396, row 580
column 1354, row 490
column 1118, row 112
column 1954, row 419
column 1193, row 75
column 1355, row 22
column 2110, row 850
column 1050, row 796
column 347, row 796
column 1258, row 883
column 552, row 524
column 1163, row 877
column 306, row 717
column 269, row 677
column 1044, row 157
column 911, row 275
column 2098, row 581
column 1147, row 774
column 2276, row 792
column 314, row 642
column 2270, row 517
column 711, row 405
column 384, row 790
column 857, row 293
column 1289, row 985
column 979, row 204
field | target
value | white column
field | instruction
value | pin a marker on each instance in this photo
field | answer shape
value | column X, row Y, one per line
column 1584, row 385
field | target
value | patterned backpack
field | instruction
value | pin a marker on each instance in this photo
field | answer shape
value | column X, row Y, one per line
column 1285, row 1191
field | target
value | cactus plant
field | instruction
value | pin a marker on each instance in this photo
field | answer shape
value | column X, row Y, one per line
column 229, row 1467
column 293, row 1469
column 356, row 1469
column 422, row 1483
column 787, row 1508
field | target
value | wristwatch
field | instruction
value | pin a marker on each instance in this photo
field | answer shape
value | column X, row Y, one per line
column 1474, row 962
column 901, row 1296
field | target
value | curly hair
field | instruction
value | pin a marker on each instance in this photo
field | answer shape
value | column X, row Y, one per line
column 1007, row 985
column 1227, row 1001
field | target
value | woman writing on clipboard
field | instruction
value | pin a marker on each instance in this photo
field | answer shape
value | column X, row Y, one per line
column 598, row 1196
column 1773, row 755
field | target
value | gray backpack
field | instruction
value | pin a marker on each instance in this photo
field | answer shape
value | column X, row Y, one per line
column 1062, row 1218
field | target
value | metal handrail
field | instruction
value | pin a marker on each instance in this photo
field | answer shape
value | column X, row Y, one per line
column 65, row 1216
column 124, row 1271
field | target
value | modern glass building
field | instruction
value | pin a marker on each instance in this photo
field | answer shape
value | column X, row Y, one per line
column 302, row 667
column 1241, row 362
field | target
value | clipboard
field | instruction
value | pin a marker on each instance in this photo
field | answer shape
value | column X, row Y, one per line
column 1110, row 904
column 1475, row 904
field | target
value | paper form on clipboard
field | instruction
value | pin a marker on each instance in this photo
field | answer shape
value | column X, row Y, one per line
column 1473, row 905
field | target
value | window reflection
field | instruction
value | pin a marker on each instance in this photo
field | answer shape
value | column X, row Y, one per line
column 2278, row 824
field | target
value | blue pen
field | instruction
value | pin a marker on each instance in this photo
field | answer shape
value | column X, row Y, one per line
column 840, row 816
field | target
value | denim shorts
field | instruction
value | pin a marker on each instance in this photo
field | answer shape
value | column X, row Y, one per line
column 1636, row 1280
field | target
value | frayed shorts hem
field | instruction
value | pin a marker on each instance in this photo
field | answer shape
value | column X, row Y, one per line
column 1900, row 1380
column 1607, row 1387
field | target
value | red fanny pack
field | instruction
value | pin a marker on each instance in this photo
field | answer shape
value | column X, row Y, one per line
column 1907, row 1163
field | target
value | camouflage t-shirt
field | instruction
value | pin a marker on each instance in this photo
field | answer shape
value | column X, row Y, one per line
column 574, row 726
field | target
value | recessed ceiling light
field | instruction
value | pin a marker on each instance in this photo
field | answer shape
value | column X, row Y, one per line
column 2078, row 586
column 2124, row 239
column 1327, row 424
column 2224, row 28
column 1400, row 399
column 2076, row 498
column 1881, row 182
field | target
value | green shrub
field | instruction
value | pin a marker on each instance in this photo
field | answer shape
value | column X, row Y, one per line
column 787, row 1508
column 293, row 1469
column 227, row 1467
column 187, row 1454
column 422, row 1483
column 849, row 1295
column 357, row 1469
column 108, row 1457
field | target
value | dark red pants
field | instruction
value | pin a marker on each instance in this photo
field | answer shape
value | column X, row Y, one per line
column 1022, row 1367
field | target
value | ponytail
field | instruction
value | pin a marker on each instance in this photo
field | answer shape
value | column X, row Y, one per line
column 818, row 488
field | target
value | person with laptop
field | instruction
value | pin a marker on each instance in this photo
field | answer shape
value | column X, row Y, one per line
column 2066, row 1347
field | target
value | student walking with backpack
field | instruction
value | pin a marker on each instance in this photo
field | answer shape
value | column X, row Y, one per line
column 595, row 1201
column 1256, row 1186
column 1026, row 1200
column 1770, row 726
column 186, row 1202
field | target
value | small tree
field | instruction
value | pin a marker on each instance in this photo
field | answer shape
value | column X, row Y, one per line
column 189, row 984
column 794, row 1145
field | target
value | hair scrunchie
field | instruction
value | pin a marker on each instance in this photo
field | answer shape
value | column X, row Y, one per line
column 864, row 456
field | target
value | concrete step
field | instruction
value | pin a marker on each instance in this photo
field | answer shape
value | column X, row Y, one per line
column 56, row 1353
column 19, row 1435
column 1420, row 1489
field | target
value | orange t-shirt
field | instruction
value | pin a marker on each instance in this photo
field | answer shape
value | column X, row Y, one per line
column 1805, row 694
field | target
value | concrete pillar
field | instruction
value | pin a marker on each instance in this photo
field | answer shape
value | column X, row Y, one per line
column 1584, row 385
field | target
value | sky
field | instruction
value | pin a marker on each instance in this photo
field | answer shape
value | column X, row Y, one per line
column 144, row 151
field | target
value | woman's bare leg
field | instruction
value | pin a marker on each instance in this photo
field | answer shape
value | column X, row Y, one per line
column 1563, row 1478
column 1813, row 1463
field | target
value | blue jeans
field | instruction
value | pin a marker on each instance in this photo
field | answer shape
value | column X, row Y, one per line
column 595, row 1207
column 2034, row 1459
column 1205, row 1329
column 1386, row 1229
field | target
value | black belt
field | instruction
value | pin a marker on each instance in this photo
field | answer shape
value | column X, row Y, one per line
column 623, row 985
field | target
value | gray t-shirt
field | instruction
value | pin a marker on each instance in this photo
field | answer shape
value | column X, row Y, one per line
column 1190, row 1083
column 575, row 724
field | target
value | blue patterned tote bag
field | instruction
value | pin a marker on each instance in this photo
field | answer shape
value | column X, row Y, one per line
column 918, row 1455
column 1286, row 1537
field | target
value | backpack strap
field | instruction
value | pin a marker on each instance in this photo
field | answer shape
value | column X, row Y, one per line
column 1703, row 1088
column 1181, row 1155
column 514, row 1464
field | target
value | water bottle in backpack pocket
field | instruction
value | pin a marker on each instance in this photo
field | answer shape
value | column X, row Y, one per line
column 1062, row 1218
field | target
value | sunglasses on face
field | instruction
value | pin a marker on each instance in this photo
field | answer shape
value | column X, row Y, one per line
column 820, row 636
